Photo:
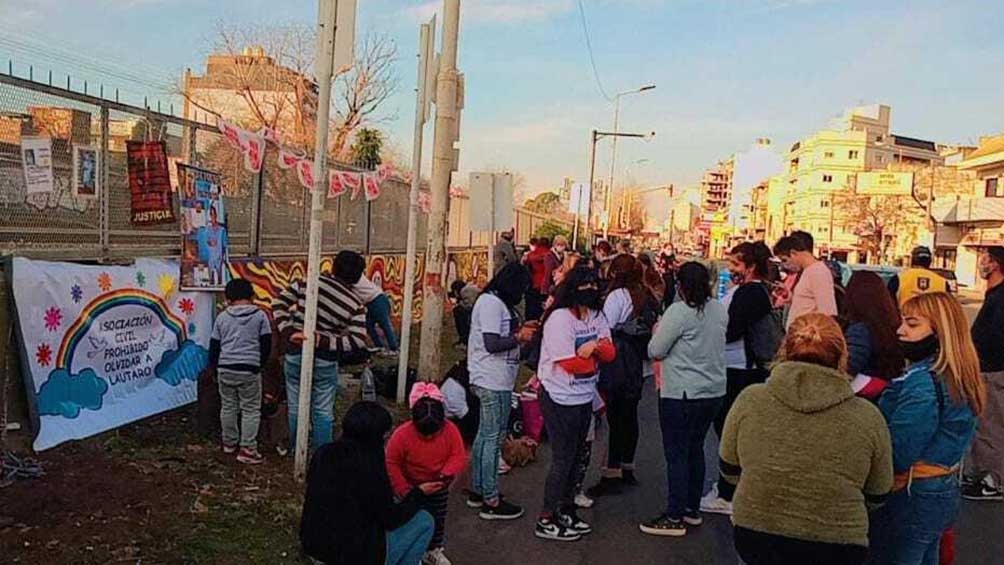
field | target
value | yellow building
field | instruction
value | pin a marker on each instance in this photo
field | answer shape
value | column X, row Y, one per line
column 825, row 164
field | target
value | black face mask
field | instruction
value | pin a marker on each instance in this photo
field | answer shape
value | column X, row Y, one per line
column 915, row 351
column 590, row 298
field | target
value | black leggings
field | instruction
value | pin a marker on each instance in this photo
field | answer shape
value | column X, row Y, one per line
column 622, row 441
column 736, row 381
column 757, row 548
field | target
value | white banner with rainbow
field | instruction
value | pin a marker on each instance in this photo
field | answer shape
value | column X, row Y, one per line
column 103, row 346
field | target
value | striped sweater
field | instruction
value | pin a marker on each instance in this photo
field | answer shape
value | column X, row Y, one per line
column 341, row 316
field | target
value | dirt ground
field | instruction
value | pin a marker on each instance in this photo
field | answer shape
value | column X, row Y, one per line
column 157, row 492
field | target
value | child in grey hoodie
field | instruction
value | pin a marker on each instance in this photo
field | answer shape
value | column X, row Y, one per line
column 238, row 349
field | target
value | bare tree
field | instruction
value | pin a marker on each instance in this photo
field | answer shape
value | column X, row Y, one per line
column 879, row 221
column 272, row 76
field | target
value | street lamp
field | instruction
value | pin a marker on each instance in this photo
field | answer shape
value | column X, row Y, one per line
column 596, row 136
column 613, row 153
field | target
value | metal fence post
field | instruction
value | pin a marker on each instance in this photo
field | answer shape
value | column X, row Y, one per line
column 256, row 221
column 104, row 193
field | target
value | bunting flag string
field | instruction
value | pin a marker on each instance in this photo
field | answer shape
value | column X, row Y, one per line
column 252, row 146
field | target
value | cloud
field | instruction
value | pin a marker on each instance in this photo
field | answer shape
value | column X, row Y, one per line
column 497, row 11
column 63, row 394
column 183, row 363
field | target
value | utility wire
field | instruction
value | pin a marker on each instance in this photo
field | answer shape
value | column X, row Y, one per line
column 592, row 58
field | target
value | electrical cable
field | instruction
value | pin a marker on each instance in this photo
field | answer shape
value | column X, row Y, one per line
column 592, row 58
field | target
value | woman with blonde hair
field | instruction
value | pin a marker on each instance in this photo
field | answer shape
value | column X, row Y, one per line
column 806, row 455
column 931, row 411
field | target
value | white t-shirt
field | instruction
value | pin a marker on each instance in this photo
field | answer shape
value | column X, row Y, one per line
column 563, row 334
column 618, row 307
column 366, row 290
column 493, row 371
column 454, row 399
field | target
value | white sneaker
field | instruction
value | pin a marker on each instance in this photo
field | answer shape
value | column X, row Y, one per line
column 583, row 501
column 714, row 504
column 435, row 557
column 504, row 467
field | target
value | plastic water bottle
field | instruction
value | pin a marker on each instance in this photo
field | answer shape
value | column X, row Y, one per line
column 368, row 382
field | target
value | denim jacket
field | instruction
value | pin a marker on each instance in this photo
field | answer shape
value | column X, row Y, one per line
column 926, row 425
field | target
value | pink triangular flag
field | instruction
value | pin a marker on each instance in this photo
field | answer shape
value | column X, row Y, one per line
column 288, row 159
column 372, row 184
column 305, row 172
column 336, row 186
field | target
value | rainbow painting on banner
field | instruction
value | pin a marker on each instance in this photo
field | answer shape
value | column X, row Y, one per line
column 106, row 345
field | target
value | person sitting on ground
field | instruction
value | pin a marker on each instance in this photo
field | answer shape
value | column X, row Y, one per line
column 463, row 294
column 349, row 513
column 918, row 279
column 239, row 346
column 427, row 449
column 462, row 406
column 807, row 455
column 378, row 309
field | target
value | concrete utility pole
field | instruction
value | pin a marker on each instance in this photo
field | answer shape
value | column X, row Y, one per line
column 427, row 50
column 327, row 13
column 443, row 165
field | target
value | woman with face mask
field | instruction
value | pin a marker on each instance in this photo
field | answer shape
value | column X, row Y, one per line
column 576, row 340
column 931, row 411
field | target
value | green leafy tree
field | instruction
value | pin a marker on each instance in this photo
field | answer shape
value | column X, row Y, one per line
column 366, row 149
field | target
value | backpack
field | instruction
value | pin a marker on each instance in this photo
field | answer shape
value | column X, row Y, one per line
column 765, row 336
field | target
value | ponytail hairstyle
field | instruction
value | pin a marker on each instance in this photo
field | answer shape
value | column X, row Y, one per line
column 957, row 363
column 817, row 339
column 754, row 256
column 695, row 284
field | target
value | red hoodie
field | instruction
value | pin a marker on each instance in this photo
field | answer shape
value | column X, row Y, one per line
column 413, row 459
column 536, row 262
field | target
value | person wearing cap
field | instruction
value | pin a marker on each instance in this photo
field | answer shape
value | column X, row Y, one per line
column 427, row 450
column 987, row 457
column 918, row 279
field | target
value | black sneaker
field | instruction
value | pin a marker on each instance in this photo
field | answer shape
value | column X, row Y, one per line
column 984, row 490
column 475, row 500
column 571, row 521
column 551, row 530
column 502, row 511
column 606, row 487
column 692, row 519
column 664, row 526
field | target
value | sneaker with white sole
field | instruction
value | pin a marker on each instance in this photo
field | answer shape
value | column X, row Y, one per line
column 572, row 521
column 435, row 557
column 984, row 490
column 693, row 519
column 504, row 510
column 250, row 456
column 583, row 501
column 504, row 467
column 229, row 449
column 554, row 531
column 714, row 504
column 474, row 500
column 664, row 526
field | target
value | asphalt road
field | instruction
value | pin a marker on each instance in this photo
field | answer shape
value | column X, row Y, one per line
column 616, row 538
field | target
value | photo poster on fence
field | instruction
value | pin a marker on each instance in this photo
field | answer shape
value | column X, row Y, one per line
column 149, row 183
column 36, row 160
column 102, row 346
column 204, row 242
column 85, row 172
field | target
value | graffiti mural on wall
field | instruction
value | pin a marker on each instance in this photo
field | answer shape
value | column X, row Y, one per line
column 270, row 276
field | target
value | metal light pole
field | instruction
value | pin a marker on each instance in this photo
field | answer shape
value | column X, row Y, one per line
column 327, row 13
column 594, row 137
column 427, row 47
column 613, row 153
column 443, row 163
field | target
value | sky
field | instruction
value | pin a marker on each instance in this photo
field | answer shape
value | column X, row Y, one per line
column 726, row 71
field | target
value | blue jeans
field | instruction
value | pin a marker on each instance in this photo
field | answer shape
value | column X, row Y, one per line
column 495, row 406
column 378, row 314
column 684, row 424
column 322, row 398
column 407, row 544
column 907, row 529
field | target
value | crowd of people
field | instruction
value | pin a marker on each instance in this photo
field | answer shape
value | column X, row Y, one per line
column 851, row 419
